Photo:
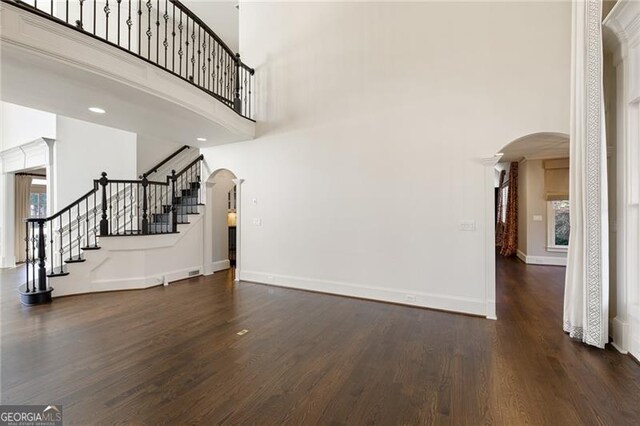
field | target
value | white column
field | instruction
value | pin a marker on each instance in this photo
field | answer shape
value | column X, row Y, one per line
column 238, row 183
column 489, row 164
column 207, row 252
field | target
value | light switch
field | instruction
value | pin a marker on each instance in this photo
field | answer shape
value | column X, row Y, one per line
column 254, row 201
column 257, row 221
column 537, row 218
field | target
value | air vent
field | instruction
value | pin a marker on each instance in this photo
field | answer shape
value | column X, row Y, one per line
column 194, row 273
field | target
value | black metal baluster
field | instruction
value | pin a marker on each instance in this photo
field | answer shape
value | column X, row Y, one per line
column 173, row 39
column 50, row 230
column 149, row 7
column 166, row 21
column 52, row 1
column 80, row 22
column 174, row 212
column 27, row 260
column 129, row 24
column 250, row 100
column 66, row 11
column 117, row 210
column 124, row 213
column 61, row 250
column 118, row 21
column 199, row 52
column 79, row 238
column 180, row 53
column 87, row 243
column 186, row 56
column 145, row 220
column 69, row 222
column 95, row 224
column 158, row 32
column 140, row 27
column 193, row 52
column 95, row 8
column 107, row 11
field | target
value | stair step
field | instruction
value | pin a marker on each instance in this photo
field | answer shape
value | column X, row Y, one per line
column 91, row 248
column 75, row 260
column 57, row 272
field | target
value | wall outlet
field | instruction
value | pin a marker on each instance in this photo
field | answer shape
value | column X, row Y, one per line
column 257, row 221
column 254, row 201
column 468, row 225
column 537, row 218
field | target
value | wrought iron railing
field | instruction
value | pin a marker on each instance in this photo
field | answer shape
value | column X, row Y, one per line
column 164, row 33
column 111, row 208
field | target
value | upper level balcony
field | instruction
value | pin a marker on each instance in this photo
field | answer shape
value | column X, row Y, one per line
column 154, row 65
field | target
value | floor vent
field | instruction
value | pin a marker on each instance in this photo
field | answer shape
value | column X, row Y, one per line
column 194, row 273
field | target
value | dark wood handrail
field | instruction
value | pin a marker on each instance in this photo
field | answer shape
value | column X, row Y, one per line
column 165, row 161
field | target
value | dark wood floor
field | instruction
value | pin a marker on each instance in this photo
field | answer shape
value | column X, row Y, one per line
column 163, row 356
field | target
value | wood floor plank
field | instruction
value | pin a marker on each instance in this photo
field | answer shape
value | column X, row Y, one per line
column 172, row 355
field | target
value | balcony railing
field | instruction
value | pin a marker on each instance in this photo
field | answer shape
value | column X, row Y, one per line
column 164, row 33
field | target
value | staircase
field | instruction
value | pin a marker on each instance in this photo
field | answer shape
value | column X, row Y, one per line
column 112, row 208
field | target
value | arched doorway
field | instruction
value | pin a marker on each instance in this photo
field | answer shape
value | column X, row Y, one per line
column 222, row 225
column 531, row 216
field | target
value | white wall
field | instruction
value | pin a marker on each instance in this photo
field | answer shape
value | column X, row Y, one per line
column 84, row 150
column 372, row 119
column 150, row 151
column 19, row 125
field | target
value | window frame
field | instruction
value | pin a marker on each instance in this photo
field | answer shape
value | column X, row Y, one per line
column 551, row 231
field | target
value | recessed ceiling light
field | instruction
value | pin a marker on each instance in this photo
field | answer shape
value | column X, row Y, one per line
column 201, row 139
column 97, row 110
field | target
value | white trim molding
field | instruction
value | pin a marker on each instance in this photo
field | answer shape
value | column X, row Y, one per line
column 399, row 296
column 622, row 35
column 542, row 260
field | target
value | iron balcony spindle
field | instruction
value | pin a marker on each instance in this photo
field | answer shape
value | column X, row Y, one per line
column 50, row 231
column 186, row 48
column 60, row 249
column 129, row 23
column 95, row 21
column 149, row 33
column 166, row 21
column 79, row 238
column 79, row 22
column 157, row 31
column 107, row 11
column 42, row 266
column 118, row 21
column 173, row 39
column 70, row 237
column 140, row 27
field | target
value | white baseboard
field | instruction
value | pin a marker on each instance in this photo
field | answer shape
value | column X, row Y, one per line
column 542, row 260
column 9, row 262
column 401, row 296
column 619, row 332
column 219, row 265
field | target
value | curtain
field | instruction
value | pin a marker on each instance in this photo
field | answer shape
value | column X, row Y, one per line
column 510, row 233
column 586, row 298
column 499, row 218
column 23, row 194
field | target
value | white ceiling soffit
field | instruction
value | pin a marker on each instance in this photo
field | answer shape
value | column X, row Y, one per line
column 536, row 147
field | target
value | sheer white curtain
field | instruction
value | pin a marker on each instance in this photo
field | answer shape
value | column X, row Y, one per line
column 586, row 300
column 23, row 193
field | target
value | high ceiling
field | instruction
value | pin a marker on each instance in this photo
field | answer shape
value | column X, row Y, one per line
column 221, row 16
column 537, row 146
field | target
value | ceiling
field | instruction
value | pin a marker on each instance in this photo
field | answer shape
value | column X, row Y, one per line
column 537, row 146
column 221, row 16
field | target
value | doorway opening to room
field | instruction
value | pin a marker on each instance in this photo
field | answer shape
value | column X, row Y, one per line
column 532, row 224
column 30, row 201
column 221, row 222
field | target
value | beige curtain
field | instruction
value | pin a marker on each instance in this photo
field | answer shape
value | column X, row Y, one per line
column 499, row 218
column 23, row 193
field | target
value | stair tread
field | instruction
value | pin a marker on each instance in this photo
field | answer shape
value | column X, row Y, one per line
column 75, row 260
column 91, row 248
column 57, row 274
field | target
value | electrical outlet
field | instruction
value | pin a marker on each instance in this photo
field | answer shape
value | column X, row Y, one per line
column 468, row 225
column 257, row 221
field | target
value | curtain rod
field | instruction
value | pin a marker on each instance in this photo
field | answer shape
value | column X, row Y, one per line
column 30, row 174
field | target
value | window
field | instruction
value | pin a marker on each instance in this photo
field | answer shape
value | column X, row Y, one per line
column 558, row 225
column 505, row 199
column 38, row 205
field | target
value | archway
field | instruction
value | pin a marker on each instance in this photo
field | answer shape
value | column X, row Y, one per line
column 222, row 225
column 542, row 185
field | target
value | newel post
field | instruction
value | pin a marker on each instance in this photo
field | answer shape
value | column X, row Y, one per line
column 174, row 211
column 42, row 269
column 104, row 223
column 145, row 220
column 237, row 103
